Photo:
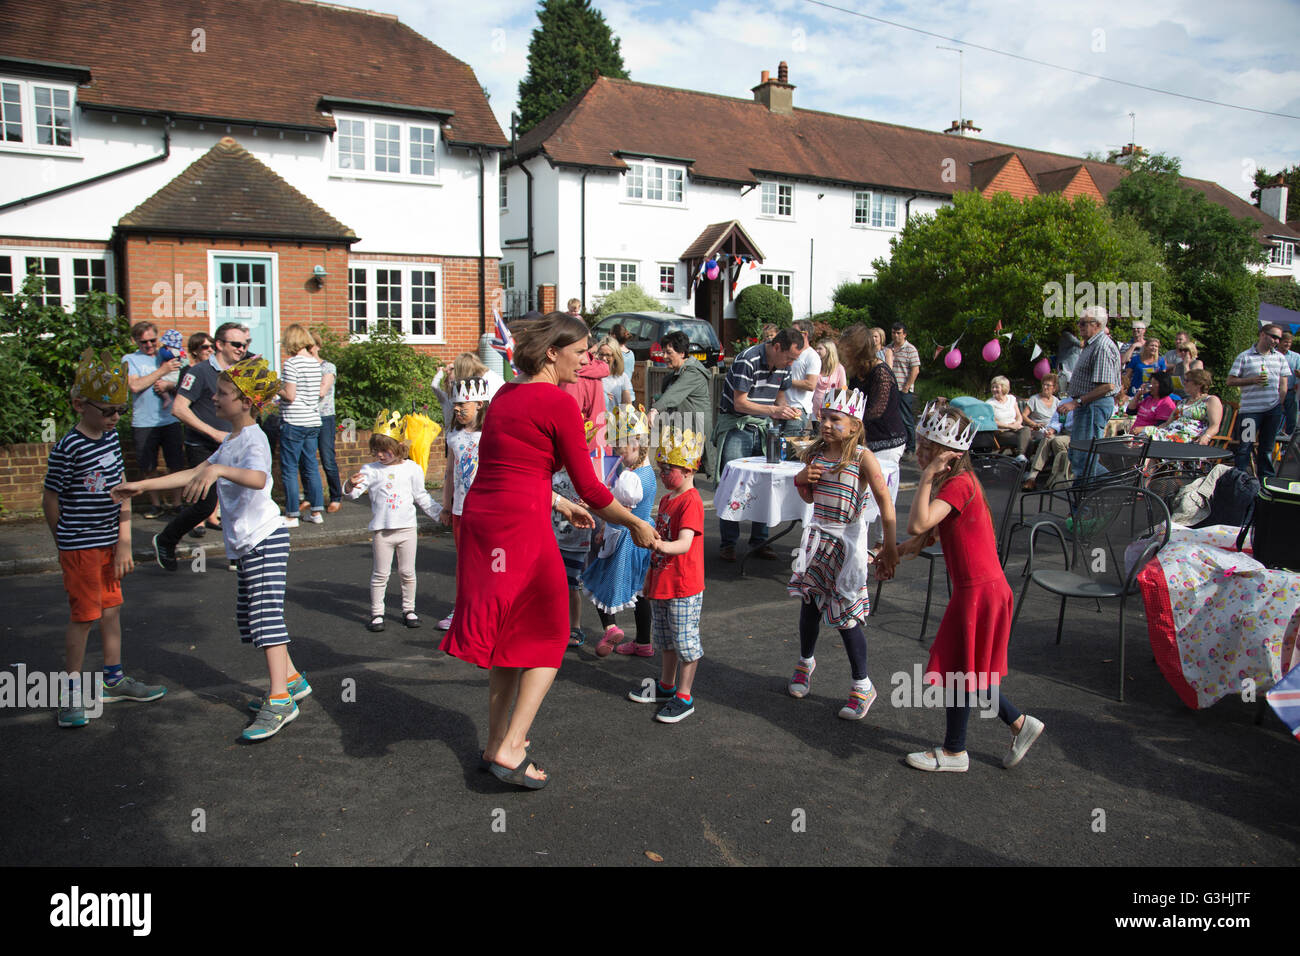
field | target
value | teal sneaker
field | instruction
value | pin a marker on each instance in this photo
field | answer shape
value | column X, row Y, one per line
column 298, row 689
column 72, row 717
column 128, row 688
column 270, row 720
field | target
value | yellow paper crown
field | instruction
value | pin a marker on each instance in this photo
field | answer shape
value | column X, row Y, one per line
column 390, row 424
column 100, row 379
column 681, row 448
column 255, row 379
column 629, row 423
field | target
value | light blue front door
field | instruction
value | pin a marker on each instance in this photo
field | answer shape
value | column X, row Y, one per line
column 244, row 296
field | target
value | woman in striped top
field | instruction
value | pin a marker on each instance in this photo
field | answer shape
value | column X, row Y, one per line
column 831, row 568
column 300, row 424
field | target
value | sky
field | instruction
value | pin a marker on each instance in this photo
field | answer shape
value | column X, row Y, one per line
column 1242, row 54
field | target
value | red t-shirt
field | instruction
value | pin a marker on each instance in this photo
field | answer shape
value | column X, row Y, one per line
column 678, row 575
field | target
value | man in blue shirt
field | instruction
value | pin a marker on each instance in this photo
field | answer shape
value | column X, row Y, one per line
column 152, row 425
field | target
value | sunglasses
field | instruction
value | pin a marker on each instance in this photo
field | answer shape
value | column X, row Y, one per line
column 108, row 412
column 1276, row 338
column 235, row 345
column 205, row 347
column 148, row 341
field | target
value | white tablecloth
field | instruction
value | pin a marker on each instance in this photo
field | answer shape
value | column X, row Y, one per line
column 750, row 489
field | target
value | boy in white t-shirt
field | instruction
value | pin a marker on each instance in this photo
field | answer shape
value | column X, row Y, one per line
column 255, row 536
column 804, row 372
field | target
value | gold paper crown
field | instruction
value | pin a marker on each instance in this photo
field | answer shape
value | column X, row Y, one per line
column 629, row 422
column 255, row 380
column 100, row 379
column 681, row 448
column 390, row 424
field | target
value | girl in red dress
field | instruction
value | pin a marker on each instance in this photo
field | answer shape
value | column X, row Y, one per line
column 969, row 654
column 512, row 612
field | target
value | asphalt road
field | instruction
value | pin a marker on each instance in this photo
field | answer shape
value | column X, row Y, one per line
column 753, row 777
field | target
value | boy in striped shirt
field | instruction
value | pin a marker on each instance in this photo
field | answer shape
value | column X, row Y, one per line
column 92, row 531
column 256, row 539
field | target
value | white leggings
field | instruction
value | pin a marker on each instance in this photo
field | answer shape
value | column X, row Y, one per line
column 401, row 540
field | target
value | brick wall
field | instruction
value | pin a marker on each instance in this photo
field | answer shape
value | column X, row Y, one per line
column 546, row 299
column 22, row 469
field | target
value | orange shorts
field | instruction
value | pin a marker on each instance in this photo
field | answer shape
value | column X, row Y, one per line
column 91, row 584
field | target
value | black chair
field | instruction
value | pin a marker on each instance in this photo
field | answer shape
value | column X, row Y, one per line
column 1000, row 477
column 1288, row 462
column 1106, row 523
column 1067, row 495
column 1171, row 478
column 1106, row 452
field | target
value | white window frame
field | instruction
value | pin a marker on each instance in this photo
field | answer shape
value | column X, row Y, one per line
column 371, row 300
column 67, row 269
column 778, row 279
column 869, row 210
column 507, row 273
column 675, row 291
column 27, row 101
column 503, row 189
column 1282, row 254
column 769, row 202
column 369, row 128
column 642, row 173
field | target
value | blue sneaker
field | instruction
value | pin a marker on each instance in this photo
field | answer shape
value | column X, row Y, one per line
column 128, row 688
column 271, row 719
column 675, row 710
column 298, row 689
column 72, row 717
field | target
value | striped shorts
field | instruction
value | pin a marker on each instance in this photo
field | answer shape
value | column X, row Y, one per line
column 676, row 626
column 259, row 608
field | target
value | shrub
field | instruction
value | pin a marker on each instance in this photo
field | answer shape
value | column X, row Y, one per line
column 381, row 372
column 757, row 305
column 630, row 298
column 40, row 346
column 853, row 294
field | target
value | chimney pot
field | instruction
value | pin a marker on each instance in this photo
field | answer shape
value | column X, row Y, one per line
column 783, row 72
column 765, row 77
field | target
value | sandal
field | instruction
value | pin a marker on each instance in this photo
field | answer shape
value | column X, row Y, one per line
column 937, row 760
column 613, row 637
column 519, row 776
column 486, row 765
column 411, row 619
column 376, row 624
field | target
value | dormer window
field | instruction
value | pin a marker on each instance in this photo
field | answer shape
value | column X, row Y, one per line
column 647, row 181
column 1282, row 254
column 37, row 116
column 371, row 147
column 777, row 200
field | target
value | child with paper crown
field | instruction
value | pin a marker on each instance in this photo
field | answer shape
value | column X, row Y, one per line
column 92, row 532
column 846, row 486
column 396, row 486
column 469, row 402
column 675, row 583
column 969, row 654
column 256, row 539
column 613, row 581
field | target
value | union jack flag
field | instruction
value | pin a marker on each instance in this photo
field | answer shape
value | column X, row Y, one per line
column 1284, row 698
column 504, row 341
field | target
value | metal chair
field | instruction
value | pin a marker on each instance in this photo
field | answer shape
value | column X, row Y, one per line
column 1115, row 531
column 1170, row 478
column 1000, row 477
column 1100, row 447
column 1288, row 457
column 1068, row 495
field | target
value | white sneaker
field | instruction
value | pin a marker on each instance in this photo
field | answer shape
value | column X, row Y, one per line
column 316, row 518
column 1022, row 741
column 291, row 522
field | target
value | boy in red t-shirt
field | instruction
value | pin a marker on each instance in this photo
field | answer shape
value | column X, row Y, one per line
column 675, row 582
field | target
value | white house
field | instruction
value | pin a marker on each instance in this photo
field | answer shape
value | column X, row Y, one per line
column 271, row 161
column 629, row 182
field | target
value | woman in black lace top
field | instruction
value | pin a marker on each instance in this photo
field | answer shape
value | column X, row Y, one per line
column 875, row 379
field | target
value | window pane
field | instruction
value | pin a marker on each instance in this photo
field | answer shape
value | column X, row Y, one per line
column 634, row 180
column 626, row 274
column 785, row 203
column 357, row 301
column 47, row 269
column 12, row 105
column 675, row 179
column 605, row 277
column 504, row 186
column 6, row 275
column 654, row 183
column 53, row 116
column 352, row 144
column 388, row 148
column 768, row 207
column 388, row 295
column 424, row 303
column 424, row 151
column 891, row 211
column 861, row 208
column 88, row 275
column 668, row 279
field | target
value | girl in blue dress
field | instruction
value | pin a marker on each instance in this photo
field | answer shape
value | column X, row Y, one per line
column 614, row 579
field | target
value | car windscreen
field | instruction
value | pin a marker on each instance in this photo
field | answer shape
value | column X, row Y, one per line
column 697, row 333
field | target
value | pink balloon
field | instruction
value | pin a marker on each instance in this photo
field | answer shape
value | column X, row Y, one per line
column 992, row 349
column 1042, row 368
column 952, row 359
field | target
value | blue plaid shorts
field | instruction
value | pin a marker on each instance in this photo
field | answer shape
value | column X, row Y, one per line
column 574, row 563
column 676, row 626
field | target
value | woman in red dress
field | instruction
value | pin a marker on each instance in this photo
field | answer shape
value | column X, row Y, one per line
column 969, row 654
column 512, row 611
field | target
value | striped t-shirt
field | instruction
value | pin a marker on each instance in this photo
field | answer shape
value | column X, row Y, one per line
column 303, row 372
column 750, row 375
column 81, row 471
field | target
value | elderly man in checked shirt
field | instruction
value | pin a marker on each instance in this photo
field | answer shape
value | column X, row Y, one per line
column 1093, row 386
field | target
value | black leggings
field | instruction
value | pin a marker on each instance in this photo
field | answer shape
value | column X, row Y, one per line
column 855, row 642
column 193, row 515
column 954, row 741
column 640, row 614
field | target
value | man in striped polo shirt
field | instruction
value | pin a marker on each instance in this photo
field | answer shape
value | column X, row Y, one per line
column 1262, row 374
column 91, row 531
column 753, row 395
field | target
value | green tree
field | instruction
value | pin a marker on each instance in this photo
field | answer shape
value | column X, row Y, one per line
column 957, row 273
column 759, row 305
column 628, row 298
column 1280, row 290
column 568, row 51
column 1291, row 177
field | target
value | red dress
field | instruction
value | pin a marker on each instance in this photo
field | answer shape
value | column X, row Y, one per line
column 512, row 600
column 973, row 634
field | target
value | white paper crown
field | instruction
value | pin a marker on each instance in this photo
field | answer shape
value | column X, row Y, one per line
column 470, row 390
column 943, row 429
column 848, row 402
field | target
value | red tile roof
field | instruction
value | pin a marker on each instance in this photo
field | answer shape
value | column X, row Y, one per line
column 265, row 61
column 229, row 192
column 739, row 140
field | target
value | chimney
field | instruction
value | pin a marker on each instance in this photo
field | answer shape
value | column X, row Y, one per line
column 965, row 128
column 1272, row 199
column 777, row 95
